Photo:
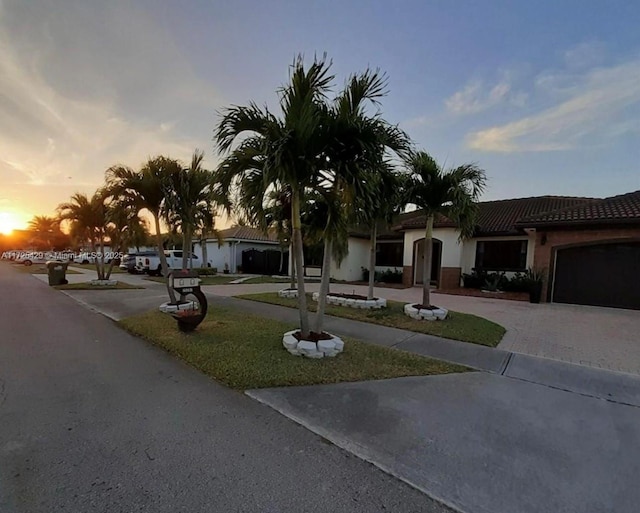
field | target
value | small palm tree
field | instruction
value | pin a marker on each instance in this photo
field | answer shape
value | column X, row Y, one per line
column 387, row 200
column 453, row 193
column 146, row 189
column 89, row 219
column 45, row 229
column 190, row 202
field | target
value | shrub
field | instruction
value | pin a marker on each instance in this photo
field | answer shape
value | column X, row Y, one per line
column 388, row 276
column 208, row 271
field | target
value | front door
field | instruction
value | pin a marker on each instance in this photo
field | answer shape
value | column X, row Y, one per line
column 418, row 261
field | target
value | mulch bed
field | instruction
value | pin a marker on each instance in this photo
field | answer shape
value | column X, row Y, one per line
column 378, row 284
column 512, row 296
column 351, row 296
column 423, row 307
column 313, row 336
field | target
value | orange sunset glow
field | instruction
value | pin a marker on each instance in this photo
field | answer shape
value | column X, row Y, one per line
column 10, row 221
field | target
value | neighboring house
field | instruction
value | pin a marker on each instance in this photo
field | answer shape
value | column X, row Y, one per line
column 234, row 242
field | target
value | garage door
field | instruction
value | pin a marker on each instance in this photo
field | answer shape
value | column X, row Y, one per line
column 600, row 275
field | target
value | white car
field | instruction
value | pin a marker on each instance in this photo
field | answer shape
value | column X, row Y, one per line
column 34, row 257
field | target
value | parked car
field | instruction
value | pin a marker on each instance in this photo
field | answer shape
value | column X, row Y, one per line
column 128, row 262
column 151, row 265
column 34, row 257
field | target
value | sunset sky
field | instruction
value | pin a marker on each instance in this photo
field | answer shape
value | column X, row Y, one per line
column 543, row 95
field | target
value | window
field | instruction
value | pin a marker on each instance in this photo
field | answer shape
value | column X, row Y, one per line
column 389, row 253
column 504, row 255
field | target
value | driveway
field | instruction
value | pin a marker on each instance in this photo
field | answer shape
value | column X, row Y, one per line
column 482, row 443
column 95, row 420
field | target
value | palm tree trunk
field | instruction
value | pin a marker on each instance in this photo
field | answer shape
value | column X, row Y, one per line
column 372, row 261
column 297, row 242
column 113, row 260
column 185, row 238
column 426, row 264
column 101, row 272
column 203, row 246
column 293, row 268
column 163, row 258
column 324, row 284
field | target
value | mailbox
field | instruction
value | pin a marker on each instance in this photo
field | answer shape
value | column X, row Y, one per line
column 184, row 282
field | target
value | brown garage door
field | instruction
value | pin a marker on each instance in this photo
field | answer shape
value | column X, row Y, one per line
column 600, row 275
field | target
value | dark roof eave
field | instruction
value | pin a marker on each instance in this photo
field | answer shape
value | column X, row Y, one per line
column 581, row 223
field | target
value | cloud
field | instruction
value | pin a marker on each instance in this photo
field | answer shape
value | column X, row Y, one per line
column 585, row 55
column 475, row 97
column 85, row 87
column 596, row 102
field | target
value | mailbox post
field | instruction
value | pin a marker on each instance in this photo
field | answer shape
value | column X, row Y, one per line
column 187, row 313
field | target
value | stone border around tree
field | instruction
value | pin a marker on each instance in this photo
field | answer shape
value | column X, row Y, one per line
column 169, row 308
column 425, row 314
column 322, row 348
column 104, row 283
column 288, row 293
column 364, row 304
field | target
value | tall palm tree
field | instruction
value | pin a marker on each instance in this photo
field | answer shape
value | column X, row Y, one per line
column 89, row 219
column 147, row 189
column 452, row 193
column 284, row 150
column 357, row 145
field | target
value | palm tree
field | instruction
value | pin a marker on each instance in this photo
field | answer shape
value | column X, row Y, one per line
column 125, row 228
column 89, row 220
column 45, row 229
column 358, row 143
column 387, row 200
column 284, row 151
column 147, row 189
column 190, row 202
column 452, row 193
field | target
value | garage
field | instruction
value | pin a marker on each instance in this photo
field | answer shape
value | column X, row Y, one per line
column 604, row 274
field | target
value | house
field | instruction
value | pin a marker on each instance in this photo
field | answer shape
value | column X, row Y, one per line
column 244, row 248
column 590, row 247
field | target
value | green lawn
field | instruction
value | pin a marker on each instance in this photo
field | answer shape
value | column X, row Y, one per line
column 206, row 280
column 457, row 326
column 268, row 279
column 245, row 351
column 37, row 269
column 92, row 267
column 87, row 286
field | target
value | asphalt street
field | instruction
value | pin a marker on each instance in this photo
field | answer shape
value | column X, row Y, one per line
column 95, row 420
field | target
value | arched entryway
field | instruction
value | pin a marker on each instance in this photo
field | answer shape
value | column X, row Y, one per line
column 418, row 259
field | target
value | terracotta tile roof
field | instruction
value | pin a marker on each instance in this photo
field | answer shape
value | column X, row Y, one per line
column 499, row 217
column 624, row 208
column 248, row 233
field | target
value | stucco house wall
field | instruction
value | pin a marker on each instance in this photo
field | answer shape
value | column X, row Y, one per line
column 350, row 268
column 452, row 248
